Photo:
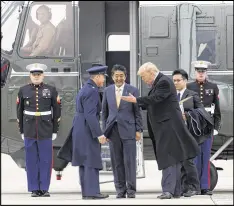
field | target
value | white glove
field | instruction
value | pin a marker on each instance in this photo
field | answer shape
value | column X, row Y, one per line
column 215, row 132
column 54, row 136
column 22, row 136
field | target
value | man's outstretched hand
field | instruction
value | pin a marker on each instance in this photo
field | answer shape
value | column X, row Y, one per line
column 129, row 98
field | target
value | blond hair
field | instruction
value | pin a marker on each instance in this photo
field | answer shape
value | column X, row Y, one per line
column 147, row 67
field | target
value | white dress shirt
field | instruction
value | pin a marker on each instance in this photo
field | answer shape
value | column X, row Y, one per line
column 181, row 92
column 122, row 88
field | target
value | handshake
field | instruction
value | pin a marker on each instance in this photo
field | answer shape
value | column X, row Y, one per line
column 102, row 139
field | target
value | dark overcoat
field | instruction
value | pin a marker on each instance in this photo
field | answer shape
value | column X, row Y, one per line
column 173, row 141
column 86, row 149
column 204, row 122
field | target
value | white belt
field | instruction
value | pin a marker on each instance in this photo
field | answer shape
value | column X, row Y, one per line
column 37, row 113
column 208, row 109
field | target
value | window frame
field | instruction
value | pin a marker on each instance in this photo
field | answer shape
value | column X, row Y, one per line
column 23, row 33
column 18, row 27
column 116, row 34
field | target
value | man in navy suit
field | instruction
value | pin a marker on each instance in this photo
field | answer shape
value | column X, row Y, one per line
column 122, row 124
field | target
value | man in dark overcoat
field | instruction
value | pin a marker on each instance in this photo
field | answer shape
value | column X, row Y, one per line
column 173, row 141
column 87, row 134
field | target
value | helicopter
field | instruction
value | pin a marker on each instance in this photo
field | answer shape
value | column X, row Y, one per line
column 171, row 36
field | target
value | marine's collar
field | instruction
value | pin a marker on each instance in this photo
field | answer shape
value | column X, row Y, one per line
column 201, row 82
column 37, row 85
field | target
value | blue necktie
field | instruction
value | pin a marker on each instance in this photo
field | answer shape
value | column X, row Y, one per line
column 178, row 96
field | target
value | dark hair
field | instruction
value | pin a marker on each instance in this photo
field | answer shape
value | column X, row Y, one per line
column 118, row 67
column 182, row 72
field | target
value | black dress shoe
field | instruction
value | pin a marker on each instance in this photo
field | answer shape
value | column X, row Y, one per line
column 165, row 195
column 131, row 195
column 99, row 196
column 206, row 192
column 121, row 195
column 191, row 193
column 44, row 193
column 35, row 193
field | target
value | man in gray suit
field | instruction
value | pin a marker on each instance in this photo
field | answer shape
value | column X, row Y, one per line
column 122, row 124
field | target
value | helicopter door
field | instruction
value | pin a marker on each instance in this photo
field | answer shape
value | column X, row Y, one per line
column 49, row 45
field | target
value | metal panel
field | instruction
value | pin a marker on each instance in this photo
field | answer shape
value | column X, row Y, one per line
column 229, row 30
column 205, row 20
column 161, row 50
column 117, row 17
column 159, row 26
column 92, row 31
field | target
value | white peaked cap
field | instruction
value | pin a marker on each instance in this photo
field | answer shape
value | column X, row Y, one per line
column 36, row 67
column 201, row 64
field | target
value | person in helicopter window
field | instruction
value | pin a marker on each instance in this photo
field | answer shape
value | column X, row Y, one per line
column 45, row 33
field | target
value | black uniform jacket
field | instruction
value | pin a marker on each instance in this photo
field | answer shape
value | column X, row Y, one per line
column 199, row 121
column 173, row 141
column 38, row 98
column 209, row 93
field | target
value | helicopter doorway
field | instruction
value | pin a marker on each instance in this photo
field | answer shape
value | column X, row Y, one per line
column 121, row 40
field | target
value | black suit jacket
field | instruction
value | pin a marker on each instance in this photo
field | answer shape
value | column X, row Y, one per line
column 194, row 102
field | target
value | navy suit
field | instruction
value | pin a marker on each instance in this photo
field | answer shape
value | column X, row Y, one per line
column 120, row 125
column 86, row 149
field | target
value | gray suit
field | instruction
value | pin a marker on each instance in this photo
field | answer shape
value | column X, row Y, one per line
column 120, row 126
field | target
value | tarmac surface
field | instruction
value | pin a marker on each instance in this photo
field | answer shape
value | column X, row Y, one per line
column 67, row 190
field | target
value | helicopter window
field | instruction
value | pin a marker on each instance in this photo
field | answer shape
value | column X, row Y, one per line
column 115, row 45
column 9, row 30
column 206, row 46
column 47, row 30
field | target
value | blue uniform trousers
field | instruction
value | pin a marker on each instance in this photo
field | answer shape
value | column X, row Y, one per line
column 89, row 181
column 39, row 160
column 202, row 162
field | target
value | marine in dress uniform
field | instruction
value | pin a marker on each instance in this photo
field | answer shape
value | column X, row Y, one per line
column 87, row 134
column 209, row 95
column 38, row 125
